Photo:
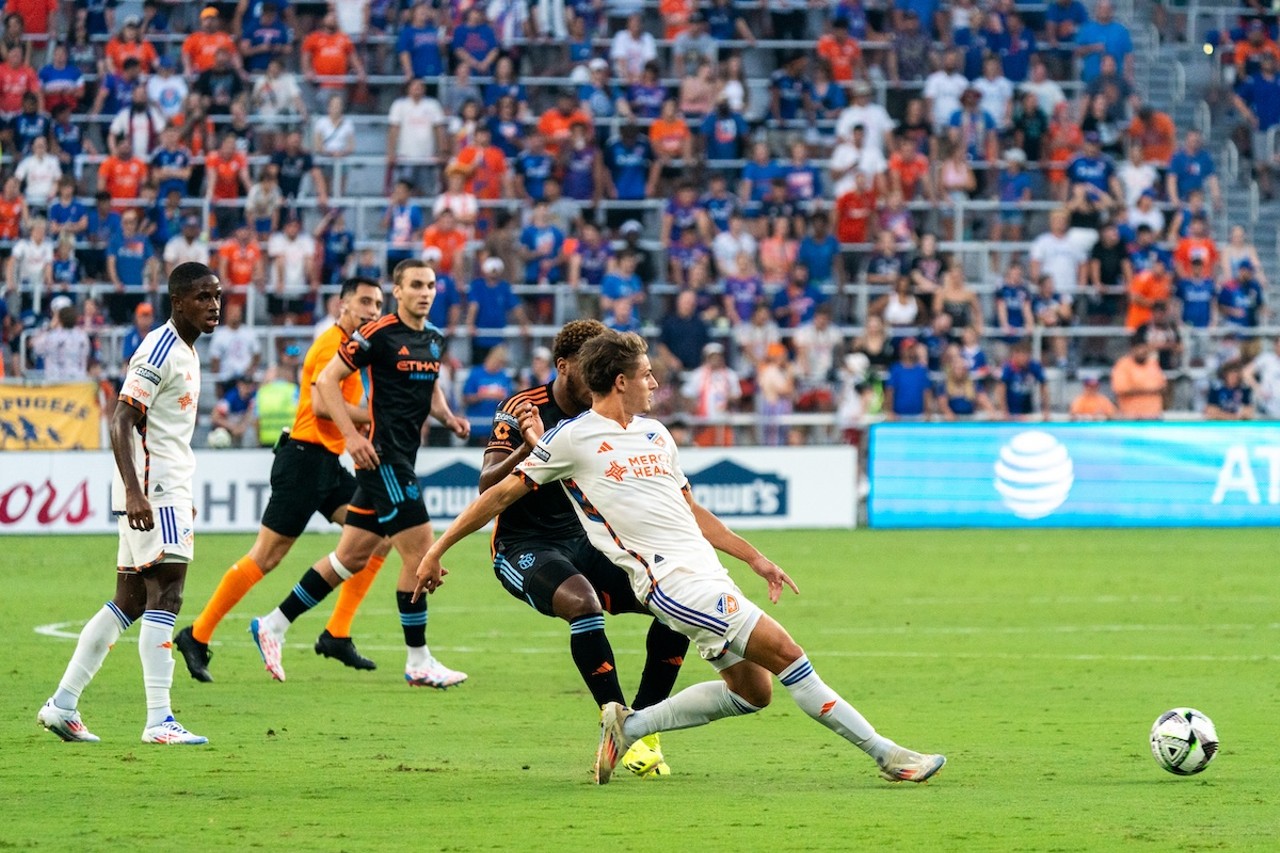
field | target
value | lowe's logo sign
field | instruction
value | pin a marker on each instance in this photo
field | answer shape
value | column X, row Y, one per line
column 448, row 491
column 728, row 489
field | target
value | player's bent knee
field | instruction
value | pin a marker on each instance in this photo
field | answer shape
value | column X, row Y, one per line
column 576, row 598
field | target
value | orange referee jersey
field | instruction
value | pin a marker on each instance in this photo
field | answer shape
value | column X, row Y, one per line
column 306, row 426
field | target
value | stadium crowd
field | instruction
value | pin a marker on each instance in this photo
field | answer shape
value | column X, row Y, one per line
column 818, row 212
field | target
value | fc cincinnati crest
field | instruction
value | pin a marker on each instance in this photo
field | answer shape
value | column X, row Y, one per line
column 727, row 605
column 525, row 561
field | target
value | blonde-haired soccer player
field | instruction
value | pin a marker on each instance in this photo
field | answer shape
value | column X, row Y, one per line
column 622, row 471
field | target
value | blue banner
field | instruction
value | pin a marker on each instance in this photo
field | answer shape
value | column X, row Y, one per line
column 1074, row 475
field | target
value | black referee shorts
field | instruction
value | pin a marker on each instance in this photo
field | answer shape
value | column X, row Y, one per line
column 388, row 499
column 533, row 569
column 305, row 478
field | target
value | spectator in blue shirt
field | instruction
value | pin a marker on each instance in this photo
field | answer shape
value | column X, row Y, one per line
column 265, row 39
column 486, row 386
column 622, row 285
column 795, row 304
column 30, row 124
column 1063, row 19
column 1104, row 35
column 62, row 82
column 491, row 304
column 724, row 133
column 1013, row 305
column 1095, row 170
column 718, row 202
column 1257, row 99
column 631, row 164
column 144, row 317
column 533, row 167
column 116, row 90
column 446, row 309
column 758, row 173
column 787, row 88
column 1197, row 293
column 418, row 44
column 540, row 244
column 1018, row 47
column 475, row 44
column 819, row 252
column 908, row 393
column 1229, row 398
column 66, row 213
column 1019, row 380
column 1241, row 300
column 1192, row 169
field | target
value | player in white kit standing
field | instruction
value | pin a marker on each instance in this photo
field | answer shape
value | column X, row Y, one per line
column 622, row 472
column 151, row 498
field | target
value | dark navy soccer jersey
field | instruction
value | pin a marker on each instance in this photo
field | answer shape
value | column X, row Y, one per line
column 1020, row 387
column 1230, row 399
column 543, row 513
column 404, row 365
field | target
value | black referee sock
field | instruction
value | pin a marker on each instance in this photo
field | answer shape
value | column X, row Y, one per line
column 594, row 657
column 306, row 594
column 664, row 654
column 413, row 618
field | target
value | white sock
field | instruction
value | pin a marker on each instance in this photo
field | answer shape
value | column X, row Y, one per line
column 96, row 639
column 155, row 648
column 693, row 706
column 825, row 705
column 275, row 623
column 418, row 657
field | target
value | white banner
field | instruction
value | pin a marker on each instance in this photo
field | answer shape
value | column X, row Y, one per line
column 752, row 487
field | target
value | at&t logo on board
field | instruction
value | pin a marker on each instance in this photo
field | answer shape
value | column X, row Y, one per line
column 1034, row 474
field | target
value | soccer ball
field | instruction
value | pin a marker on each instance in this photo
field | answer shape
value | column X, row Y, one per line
column 1183, row 741
column 219, row 438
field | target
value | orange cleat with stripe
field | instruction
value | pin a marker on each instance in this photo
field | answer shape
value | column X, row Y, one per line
column 613, row 740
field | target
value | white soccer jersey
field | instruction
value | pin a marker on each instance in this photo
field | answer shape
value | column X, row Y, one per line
column 163, row 382
column 626, row 485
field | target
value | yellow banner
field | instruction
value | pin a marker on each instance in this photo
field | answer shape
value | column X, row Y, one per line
column 55, row 417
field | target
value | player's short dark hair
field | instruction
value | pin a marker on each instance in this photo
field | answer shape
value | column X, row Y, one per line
column 570, row 339
column 402, row 268
column 184, row 277
column 351, row 285
column 609, row 355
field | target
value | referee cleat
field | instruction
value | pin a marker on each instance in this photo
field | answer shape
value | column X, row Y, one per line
column 342, row 649
column 171, row 733
column 644, row 758
column 614, row 742
column 195, row 653
column 65, row 724
column 434, row 674
column 269, row 646
column 903, row 765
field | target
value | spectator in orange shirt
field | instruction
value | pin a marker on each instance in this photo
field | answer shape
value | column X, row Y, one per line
column 840, row 51
column 240, row 264
column 13, row 210
column 1092, row 404
column 1248, row 53
column 484, row 166
column 909, row 171
column 670, row 137
column 556, row 124
column 1138, row 382
column 1197, row 244
column 200, row 49
column 122, row 175
column 676, row 14
column 16, row 79
column 329, row 53
column 1155, row 135
column 227, row 180
column 445, row 235
column 1152, row 285
column 128, row 42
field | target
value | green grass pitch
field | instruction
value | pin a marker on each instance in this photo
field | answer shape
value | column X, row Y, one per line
column 1035, row 660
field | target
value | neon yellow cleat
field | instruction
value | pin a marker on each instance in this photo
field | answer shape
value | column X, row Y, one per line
column 644, row 758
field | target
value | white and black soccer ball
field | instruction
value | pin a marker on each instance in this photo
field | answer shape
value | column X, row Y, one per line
column 1183, row 741
column 219, row 438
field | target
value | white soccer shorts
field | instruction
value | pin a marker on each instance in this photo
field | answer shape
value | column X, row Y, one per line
column 708, row 608
column 171, row 540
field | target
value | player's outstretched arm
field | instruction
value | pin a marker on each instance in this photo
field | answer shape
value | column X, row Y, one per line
column 500, row 461
column 329, row 390
column 723, row 539
column 479, row 513
column 124, row 421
